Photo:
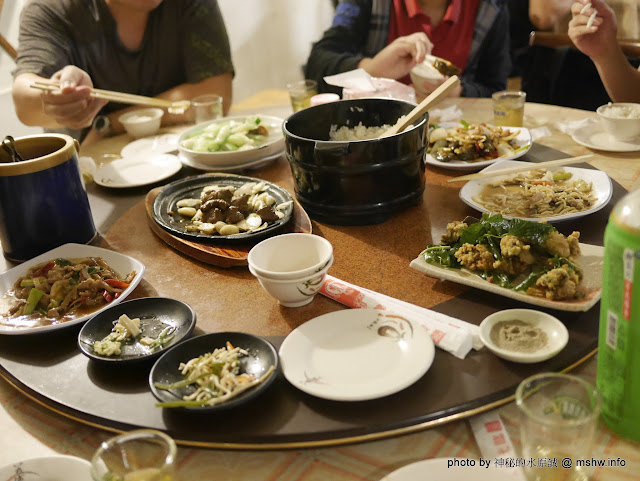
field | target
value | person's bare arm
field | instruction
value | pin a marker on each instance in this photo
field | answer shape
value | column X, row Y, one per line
column 545, row 14
column 72, row 107
column 220, row 85
column 599, row 42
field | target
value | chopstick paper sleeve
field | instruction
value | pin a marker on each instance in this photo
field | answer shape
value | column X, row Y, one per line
column 452, row 338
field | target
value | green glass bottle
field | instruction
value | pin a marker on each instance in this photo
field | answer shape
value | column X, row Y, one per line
column 618, row 374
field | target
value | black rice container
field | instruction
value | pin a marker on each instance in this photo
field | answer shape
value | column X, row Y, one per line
column 357, row 182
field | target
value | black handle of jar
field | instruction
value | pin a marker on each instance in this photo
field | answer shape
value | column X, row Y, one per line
column 332, row 147
column 9, row 145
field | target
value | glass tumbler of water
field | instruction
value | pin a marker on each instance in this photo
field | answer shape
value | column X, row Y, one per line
column 559, row 415
column 206, row 108
column 141, row 455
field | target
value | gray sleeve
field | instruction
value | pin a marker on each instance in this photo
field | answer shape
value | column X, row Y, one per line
column 205, row 45
column 43, row 44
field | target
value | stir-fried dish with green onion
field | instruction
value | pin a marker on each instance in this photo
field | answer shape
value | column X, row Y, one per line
column 213, row 378
column 228, row 136
column 472, row 142
column 532, row 257
column 61, row 290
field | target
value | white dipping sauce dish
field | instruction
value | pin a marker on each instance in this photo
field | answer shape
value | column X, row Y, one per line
column 142, row 122
column 557, row 334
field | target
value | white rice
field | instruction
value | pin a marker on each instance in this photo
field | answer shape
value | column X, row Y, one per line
column 622, row 111
column 359, row 132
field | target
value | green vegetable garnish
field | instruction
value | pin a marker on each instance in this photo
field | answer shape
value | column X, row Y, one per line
column 465, row 124
column 32, row 301
column 63, row 262
column 562, row 176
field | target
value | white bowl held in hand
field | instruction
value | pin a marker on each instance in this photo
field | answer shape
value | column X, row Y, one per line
column 620, row 120
column 555, row 331
column 294, row 292
column 142, row 122
column 290, row 256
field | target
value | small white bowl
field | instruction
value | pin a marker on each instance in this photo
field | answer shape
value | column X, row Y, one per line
column 621, row 120
column 293, row 292
column 142, row 122
column 290, row 256
column 557, row 334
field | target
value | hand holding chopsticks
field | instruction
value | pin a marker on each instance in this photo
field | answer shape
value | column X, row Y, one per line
column 521, row 168
column 174, row 107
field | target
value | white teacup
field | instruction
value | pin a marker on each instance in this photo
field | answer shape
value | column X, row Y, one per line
column 294, row 292
column 290, row 256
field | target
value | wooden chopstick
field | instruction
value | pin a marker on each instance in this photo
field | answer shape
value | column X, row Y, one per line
column 120, row 97
column 520, row 168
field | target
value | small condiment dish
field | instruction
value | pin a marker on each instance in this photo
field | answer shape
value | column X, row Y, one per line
column 295, row 292
column 155, row 313
column 290, row 256
column 556, row 333
column 142, row 122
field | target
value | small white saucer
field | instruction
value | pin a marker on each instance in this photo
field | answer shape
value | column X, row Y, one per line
column 50, row 468
column 557, row 334
column 356, row 355
column 137, row 171
column 594, row 136
column 155, row 144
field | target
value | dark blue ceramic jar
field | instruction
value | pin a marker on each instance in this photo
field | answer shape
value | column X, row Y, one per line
column 43, row 202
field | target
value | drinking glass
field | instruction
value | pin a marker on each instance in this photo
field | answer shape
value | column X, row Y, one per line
column 301, row 92
column 508, row 108
column 207, row 107
column 559, row 415
column 142, row 455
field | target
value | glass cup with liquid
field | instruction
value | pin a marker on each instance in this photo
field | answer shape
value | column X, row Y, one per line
column 559, row 415
column 508, row 108
column 141, row 455
column 301, row 92
column 206, row 107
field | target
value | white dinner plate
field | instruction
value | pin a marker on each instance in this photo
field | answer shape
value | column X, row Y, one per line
column 121, row 263
column 601, row 185
column 595, row 137
column 523, row 138
column 272, row 145
column 49, row 468
column 155, row 144
column 439, row 469
column 137, row 171
column 252, row 164
column 590, row 260
column 356, row 354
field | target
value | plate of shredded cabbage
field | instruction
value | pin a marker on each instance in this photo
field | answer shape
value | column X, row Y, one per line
column 231, row 141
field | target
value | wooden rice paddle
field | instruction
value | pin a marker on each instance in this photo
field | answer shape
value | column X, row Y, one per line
column 521, row 168
column 432, row 99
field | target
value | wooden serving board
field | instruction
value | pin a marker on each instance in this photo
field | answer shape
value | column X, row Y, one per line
column 219, row 255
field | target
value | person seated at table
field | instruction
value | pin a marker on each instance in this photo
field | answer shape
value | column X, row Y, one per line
column 171, row 49
column 388, row 37
column 599, row 42
column 558, row 76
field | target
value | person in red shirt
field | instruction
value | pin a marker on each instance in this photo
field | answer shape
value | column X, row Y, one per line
column 389, row 37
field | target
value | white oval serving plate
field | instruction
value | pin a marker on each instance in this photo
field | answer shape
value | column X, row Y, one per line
column 601, row 182
column 273, row 144
column 523, row 138
column 121, row 263
column 356, row 355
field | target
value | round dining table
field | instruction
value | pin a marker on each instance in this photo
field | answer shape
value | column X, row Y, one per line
column 375, row 257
